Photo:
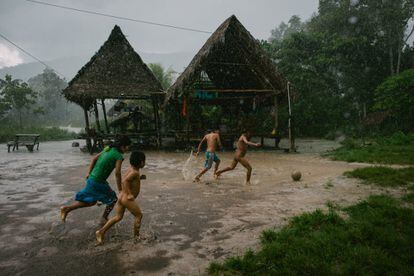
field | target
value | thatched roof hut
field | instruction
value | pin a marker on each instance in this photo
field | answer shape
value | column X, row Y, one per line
column 233, row 61
column 116, row 71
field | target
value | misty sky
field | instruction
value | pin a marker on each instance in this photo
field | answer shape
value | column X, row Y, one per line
column 50, row 33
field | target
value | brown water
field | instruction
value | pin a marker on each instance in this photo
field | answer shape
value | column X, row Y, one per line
column 187, row 224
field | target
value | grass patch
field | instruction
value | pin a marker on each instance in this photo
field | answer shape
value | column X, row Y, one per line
column 376, row 239
column 397, row 149
column 46, row 134
column 409, row 198
column 384, row 176
column 328, row 184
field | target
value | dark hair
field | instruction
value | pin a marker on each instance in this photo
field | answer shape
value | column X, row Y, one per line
column 136, row 158
column 121, row 141
column 245, row 131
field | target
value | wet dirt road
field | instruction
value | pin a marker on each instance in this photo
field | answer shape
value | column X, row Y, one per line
column 187, row 225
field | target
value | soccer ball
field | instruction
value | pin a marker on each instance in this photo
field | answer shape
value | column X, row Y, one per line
column 296, row 175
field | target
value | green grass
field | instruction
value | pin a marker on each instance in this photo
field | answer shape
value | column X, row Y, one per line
column 397, row 149
column 377, row 239
column 384, row 176
column 382, row 154
column 46, row 134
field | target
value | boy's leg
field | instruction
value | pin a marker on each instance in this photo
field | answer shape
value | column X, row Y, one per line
column 108, row 210
column 133, row 207
column 120, row 210
column 246, row 164
column 232, row 166
column 217, row 161
column 208, row 164
column 64, row 210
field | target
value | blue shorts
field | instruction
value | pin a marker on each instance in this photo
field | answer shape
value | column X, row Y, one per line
column 95, row 191
column 210, row 158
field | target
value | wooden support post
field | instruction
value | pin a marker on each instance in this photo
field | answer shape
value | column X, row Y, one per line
column 157, row 128
column 292, row 147
column 87, row 130
column 188, row 122
column 105, row 118
column 276, row 125
column 95, row 107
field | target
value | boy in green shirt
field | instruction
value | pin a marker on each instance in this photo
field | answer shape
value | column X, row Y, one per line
column 97, row 188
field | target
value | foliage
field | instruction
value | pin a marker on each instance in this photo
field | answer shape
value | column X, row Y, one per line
column 376, row 239
column 383, row 176
column 336, row 59
column 396, row 94
column 46, row 134
column 165, row 77
column 16, row 96
column 397, row 149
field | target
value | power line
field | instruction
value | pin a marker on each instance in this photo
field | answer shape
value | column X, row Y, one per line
column 29, row 54
column 119, row 17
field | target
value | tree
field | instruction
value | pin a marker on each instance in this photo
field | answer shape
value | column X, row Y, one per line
column 18, row 95
column 49, row 87
column 396, row 95
column 284, row 30
column 164, row 77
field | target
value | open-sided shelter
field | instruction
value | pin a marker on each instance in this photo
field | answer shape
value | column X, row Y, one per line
column 231, row 69
column 116, row 71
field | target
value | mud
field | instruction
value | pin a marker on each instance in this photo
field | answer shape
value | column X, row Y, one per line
column 187, row 225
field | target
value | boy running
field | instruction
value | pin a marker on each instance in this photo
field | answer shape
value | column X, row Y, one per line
column 239, row 156
column 213, row 140
column 130, row 190
column 97, row 188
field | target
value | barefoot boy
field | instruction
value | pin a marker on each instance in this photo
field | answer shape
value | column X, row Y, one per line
column 97, row 188
column 239, row 156
column 130, row 190
column 213, row 140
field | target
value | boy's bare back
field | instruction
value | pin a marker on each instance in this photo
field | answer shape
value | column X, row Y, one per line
column 131, row 185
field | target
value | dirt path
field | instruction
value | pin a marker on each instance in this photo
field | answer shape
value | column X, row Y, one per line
column 188, row 225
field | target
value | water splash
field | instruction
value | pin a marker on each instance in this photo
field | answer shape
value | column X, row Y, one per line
column 188, row 167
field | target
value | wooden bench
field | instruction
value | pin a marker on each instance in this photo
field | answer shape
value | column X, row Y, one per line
column 28, row 140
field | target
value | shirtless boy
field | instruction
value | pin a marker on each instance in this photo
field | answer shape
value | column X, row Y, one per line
column 239, row 156
column 213, row 140
column 131, row 186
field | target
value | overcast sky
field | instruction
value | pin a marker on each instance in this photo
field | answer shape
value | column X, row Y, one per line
column 50, row 33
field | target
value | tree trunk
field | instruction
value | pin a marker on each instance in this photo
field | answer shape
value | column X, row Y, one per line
column 398, row 59
column 20, row 119
column 391, row 61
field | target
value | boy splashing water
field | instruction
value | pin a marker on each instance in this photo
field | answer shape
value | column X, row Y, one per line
column 97, row 188
column 213, row 140
column 130, row 190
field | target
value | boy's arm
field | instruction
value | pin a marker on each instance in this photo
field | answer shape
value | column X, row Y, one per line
column 219, row 142
column 92, row 165
column 199, row 145
column 118, row 175
column 250, row 143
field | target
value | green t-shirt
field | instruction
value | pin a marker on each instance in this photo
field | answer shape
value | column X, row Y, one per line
column 105, row 165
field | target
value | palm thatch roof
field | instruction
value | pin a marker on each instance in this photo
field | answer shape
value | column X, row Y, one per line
column 115, row 71
column 231, row 60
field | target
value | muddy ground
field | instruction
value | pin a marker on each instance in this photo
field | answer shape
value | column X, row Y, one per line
column 187, row 225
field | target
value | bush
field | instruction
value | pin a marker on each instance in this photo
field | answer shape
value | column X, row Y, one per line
column 46, row 134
